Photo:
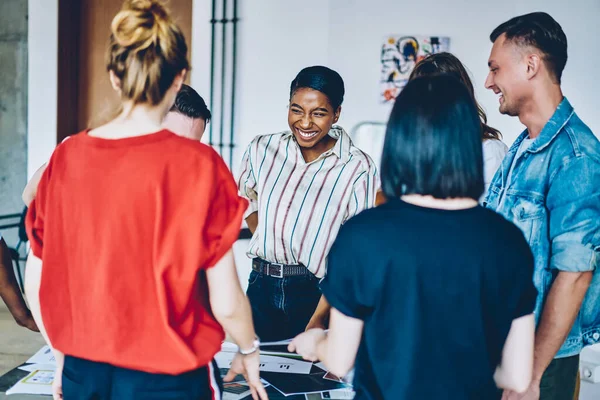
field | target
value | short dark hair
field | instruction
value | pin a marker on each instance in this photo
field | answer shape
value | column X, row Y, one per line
column 433, row 141
column 541, row 31
column 323, row 79
column 189, row 103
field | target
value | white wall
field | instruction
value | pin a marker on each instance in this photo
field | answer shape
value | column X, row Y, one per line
column 358, row 27
column 278, row 38
column 42, row 82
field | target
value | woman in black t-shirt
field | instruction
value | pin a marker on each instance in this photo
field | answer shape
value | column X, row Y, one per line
column 432, row 294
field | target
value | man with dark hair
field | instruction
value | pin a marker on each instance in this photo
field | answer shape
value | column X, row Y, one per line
column 189, row 115
column 548, row 185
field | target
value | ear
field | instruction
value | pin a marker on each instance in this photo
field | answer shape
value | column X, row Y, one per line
column 534, row 64
column 179, row 79
column 336, row 116
column 115, row 82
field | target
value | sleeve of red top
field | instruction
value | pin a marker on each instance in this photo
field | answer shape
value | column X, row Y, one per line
column 34, row 221
column 225, row 216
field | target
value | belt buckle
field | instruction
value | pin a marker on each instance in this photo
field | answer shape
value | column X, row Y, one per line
column 280, row 275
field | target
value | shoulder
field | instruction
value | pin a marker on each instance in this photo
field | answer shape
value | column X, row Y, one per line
column 263, row 141
column 184, row 146
column 501, row 235
column 364, row 161
column 579, row 140
column 494, row 147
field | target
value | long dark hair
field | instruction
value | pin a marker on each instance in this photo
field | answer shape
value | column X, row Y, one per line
column 447, row 63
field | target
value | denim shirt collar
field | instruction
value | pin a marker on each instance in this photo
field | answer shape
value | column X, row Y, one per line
column 559, row 119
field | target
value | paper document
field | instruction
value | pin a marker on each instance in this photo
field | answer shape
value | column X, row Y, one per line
column 280, row 342
column 321, row 365
column 43, row 356
column 235, row 390
column 294, row 384
column 37, row 382
column 268, row 363
column 34, row 367
column 340, row 394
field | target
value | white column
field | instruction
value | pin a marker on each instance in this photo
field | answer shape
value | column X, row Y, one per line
column 42, row 82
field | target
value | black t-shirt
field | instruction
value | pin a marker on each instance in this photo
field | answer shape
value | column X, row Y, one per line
column 437, row 291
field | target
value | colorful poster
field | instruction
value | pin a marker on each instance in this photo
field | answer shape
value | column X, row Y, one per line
column 399, row 55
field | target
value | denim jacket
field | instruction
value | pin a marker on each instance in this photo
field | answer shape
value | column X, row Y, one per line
column 554, row 197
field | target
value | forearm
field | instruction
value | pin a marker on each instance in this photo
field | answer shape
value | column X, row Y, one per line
column 9, row 288
column 337, row 364
column 559, row 314
column 252, row 221
column 33, row 275
column 323, row 308
column 239, row 324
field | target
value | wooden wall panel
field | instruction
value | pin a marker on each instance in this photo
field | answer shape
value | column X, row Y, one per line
column 88, row 98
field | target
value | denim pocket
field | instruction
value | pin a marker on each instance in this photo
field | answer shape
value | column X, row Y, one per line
column 253, row 277
column 71, row 389
column 528, row 216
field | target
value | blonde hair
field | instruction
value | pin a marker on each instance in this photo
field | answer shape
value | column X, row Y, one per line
column 146, row 51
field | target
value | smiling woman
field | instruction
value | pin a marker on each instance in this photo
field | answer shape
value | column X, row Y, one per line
column 302, row 184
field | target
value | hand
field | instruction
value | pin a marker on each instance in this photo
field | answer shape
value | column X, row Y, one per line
column 248, row 367
column 57, row 393
column 26, row 321
column 532, row 393
column 307, row 343
column 317, row 322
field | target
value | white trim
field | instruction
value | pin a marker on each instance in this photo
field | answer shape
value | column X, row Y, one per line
column 213, row 382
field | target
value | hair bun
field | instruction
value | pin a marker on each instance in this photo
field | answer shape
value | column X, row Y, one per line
column 144, row 6
column 140, row 24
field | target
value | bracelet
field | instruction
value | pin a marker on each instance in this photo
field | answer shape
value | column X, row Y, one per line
column 255, row 347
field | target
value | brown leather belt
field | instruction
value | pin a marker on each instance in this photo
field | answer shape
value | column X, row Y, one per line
column 278, row 270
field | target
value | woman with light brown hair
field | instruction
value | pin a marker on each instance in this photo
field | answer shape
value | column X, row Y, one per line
column 133, row 227
column 494, row 149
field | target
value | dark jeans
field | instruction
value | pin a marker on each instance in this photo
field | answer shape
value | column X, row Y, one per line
column 282, row 307
column 89, row 380
column 560, row 379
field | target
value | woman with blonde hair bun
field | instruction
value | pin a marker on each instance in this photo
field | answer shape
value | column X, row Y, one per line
column 133, row 227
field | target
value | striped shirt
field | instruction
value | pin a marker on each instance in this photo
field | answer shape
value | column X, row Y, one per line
column 300, row 205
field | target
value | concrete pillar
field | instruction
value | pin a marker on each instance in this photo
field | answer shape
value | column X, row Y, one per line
column 13, row 104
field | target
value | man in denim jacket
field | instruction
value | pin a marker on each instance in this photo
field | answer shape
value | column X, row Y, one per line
column 549, row 186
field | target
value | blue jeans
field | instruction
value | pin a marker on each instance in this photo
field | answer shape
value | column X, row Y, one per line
column 87, row 380
column 282, row 307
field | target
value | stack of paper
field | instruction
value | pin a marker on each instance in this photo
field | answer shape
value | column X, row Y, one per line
column 268, row 363
column 37, row 382
column 41, row 368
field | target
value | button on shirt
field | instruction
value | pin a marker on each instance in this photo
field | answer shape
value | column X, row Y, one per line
column 301, row 205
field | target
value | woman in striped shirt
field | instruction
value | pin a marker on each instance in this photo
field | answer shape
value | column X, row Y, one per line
column 302, row 185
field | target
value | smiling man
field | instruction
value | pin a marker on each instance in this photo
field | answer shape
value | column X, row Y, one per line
column 548, row 185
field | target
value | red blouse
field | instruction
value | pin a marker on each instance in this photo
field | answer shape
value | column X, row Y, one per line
column 126, row 229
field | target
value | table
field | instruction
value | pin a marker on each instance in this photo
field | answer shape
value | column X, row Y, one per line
column 588, row 390
column 10, row 378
